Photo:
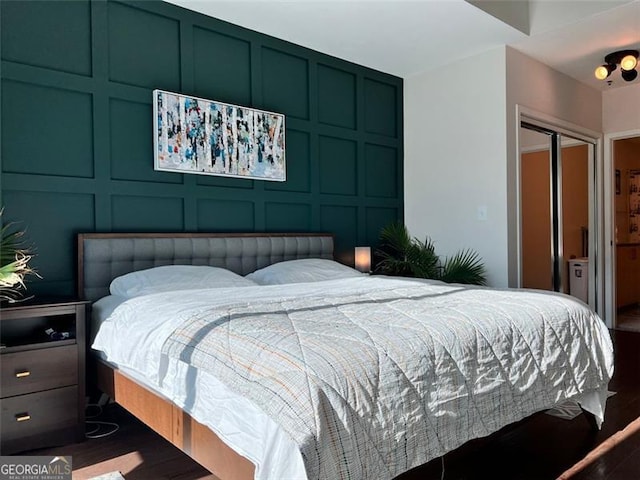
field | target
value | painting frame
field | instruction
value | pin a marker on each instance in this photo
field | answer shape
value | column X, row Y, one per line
column 207, row 137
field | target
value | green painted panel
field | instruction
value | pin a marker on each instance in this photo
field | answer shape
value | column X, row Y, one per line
column 338, row 172
column 298, row 162
column 227, row 182
column 336, row 97
column 381, row 171
column 376, row 219
column 287, row 217
column 343, row 223
column 146, row 214
column 222, row 67
column 52, row 220
column 144, row 48
column 55, row 35
column 380, row 100
column 131, row 143
column 285, row 83
column 225, row 216
column 46, row 130
column 66, row 128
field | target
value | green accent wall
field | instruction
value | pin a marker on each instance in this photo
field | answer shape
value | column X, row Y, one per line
column 77, row 134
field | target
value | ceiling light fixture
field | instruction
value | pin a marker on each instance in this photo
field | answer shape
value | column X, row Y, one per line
column 627, row 59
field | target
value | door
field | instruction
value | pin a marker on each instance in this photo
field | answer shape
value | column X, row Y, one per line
column 626, row 161
column 557, row 198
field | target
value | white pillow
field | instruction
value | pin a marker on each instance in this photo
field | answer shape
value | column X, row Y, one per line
column 303, row 270
column 175, row 277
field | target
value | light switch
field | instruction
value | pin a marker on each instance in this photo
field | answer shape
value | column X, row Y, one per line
column 482, row 213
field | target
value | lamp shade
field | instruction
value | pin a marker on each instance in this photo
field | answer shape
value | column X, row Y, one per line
column 363, row 259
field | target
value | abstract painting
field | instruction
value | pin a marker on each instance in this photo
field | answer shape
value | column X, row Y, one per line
column 194, row 135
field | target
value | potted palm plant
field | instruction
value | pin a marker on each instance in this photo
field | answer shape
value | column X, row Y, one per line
column 14, row 263
column 407, row 256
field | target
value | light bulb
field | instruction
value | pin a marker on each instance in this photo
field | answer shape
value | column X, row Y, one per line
column 602, row 72
column 628, row 63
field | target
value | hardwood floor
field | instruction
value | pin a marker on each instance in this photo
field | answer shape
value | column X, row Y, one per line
column 538, row 448
column 628, row 318
column 135, row 450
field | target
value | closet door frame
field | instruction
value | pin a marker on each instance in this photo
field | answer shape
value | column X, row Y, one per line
column 596, row 210
column 610, row 310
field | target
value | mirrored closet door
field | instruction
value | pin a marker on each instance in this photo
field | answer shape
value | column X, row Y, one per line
column 557, row 179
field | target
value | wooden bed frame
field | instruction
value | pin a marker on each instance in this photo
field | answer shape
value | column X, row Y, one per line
column 155, row 410
column 175, row 425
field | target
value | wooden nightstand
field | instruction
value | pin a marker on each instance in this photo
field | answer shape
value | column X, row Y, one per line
column 42, row 382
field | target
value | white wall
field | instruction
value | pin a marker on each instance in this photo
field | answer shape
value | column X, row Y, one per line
column 621, row 109
column 536, row 86
column 455, row 156
column 461, row 150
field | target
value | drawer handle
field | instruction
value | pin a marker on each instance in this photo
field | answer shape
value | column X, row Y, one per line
column 26, row 373
column 23, row 417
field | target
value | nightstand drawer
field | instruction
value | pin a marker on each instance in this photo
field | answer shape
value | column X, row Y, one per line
column 35, row 370
column 39, row 419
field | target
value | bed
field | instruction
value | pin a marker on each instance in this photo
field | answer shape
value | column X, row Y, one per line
column 358, row 376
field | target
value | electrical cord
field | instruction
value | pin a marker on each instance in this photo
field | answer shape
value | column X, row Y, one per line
column 86, row 434
column 98, row 425
column 114, row 428
column 442, row 476
column 93, row 405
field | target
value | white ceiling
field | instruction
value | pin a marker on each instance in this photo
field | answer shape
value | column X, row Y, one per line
column 405, row 37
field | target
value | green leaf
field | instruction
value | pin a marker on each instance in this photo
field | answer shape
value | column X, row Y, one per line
column 395, row 237
column 464, row 267
column 14, row 261
column 402, row 255
column 405, row 256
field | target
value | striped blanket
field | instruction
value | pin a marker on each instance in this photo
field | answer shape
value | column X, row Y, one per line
column 371, row 385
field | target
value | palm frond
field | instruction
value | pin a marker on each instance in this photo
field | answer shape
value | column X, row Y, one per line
column 423, row 259
column 14, row 262
column 405, row 256
column 10, row 243
column 395, row 237
column 402, row 255
column 464, row 267
column 394, row 244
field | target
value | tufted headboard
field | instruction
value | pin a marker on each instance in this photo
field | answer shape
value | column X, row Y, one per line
column 105, row 256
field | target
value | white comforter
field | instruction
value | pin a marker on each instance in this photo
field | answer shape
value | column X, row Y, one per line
column 481, row 358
